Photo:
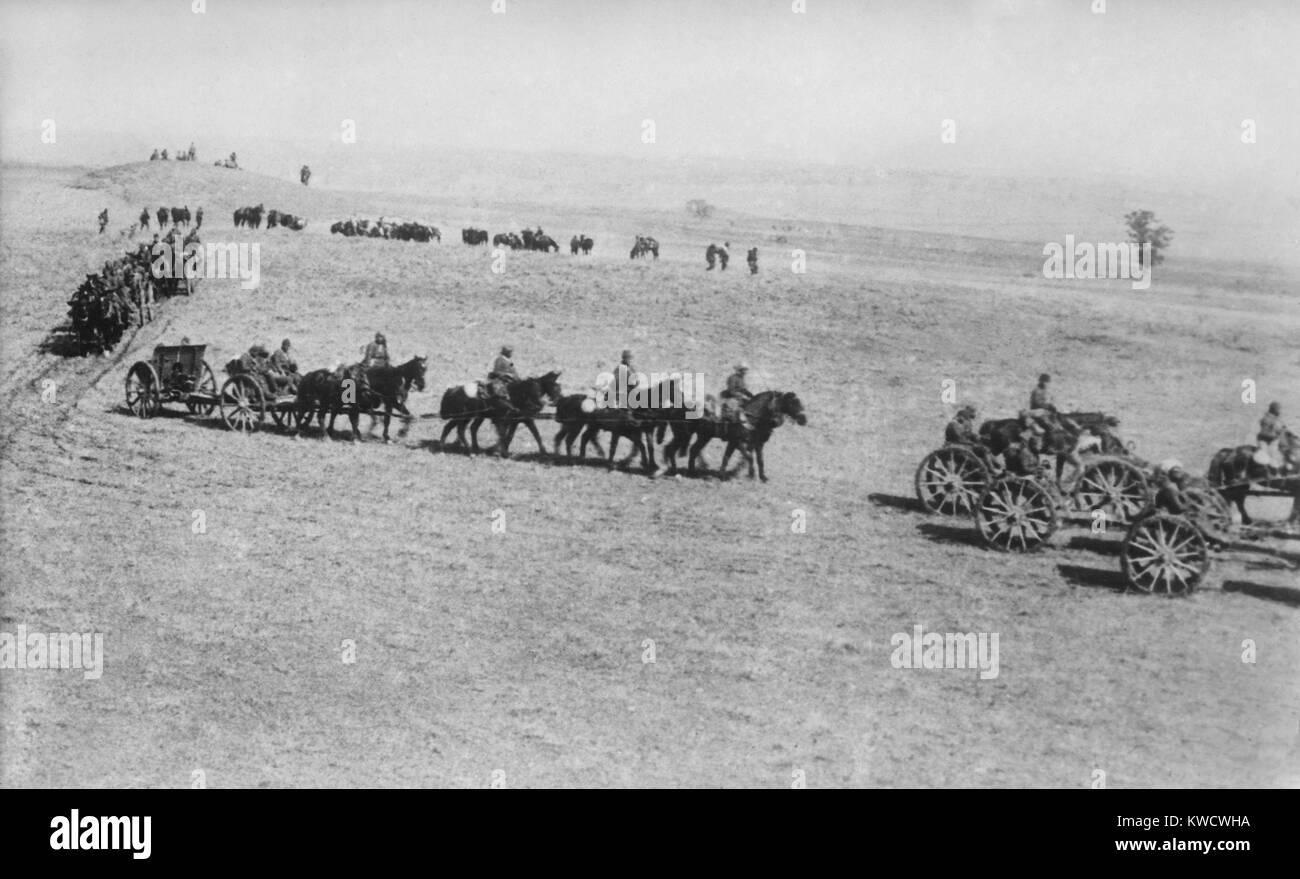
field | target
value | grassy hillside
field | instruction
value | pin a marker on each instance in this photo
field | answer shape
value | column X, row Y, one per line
column 523, row 651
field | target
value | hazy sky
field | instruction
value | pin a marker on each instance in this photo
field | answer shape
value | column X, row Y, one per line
column 1049, row 87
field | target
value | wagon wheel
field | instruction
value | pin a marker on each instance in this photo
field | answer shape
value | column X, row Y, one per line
column 1210, row 509
column 950, row 480
column 207, row 384
column 1115, row 486
column 1016, row 514
column 243, row 407
column 1164, row 553
column 143, row 390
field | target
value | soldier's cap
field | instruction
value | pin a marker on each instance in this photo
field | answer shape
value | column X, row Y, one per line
column 1044, row 378
column 507, row 350
column 742, row 366
column 1112, row 420
column 966, row 410
column 258, row 351
column 627, row 352
column 1275, row 407
column 284, row 344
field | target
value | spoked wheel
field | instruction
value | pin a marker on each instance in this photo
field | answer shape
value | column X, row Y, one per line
column 1164, row 553
column 950, row 480
column 1211, row 510
column 143, row 391
column 206, row 385
column 242, row 405
column 1115, row 486
column 1015, row 514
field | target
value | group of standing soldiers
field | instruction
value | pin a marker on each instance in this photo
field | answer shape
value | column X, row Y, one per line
column 720, row 256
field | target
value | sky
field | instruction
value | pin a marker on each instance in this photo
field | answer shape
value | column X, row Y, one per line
column 1043, row 87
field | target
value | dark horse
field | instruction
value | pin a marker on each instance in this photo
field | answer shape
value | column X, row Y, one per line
column 328, row 392
column 355, row 390
column 577, row 416
column 764, row 412
column 527, row 397
column 1233, row 470
column 389, row 387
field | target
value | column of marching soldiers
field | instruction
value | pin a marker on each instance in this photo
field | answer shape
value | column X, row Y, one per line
column 124, row 292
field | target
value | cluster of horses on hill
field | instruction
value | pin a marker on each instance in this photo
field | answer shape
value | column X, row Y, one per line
column 399, row 230
column 250, row 217
column 177, row 216
column 528, row 239
column 644, row 248
column 284, row 218
column 120, row 295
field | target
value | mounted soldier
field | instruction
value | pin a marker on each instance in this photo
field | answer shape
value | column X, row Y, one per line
column 624, row 380
column 1271, row 430
column 376, row 353
column 502, row 375
column 736, row 393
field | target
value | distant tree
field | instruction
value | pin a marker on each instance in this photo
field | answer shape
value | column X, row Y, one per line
column 1143, row 229
column 699, row 208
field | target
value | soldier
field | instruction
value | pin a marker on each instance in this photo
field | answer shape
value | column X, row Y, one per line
column 1041, row 405
column 103, row 220
column 283, row 362
column 624, row 379
column 723, row 255
column 736, row 394
column 198, row 218
column 961, row 430
column 1170, row 497
column 752, row 258
column 376, row 353
column 144, row 219
column 710, row 255
column 502, row 375
column 1271, row 428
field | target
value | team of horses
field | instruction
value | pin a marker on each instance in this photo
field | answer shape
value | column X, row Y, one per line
column 465, row 408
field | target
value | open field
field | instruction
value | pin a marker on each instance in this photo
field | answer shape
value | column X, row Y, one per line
column 523, row 651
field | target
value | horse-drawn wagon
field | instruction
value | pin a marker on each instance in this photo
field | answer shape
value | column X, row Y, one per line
column 175, row 374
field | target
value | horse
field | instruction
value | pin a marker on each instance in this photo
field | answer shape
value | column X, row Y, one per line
column 163, row 214
column 545, row 243
column 389, row 387
column 578, row 414
column 764, row 412
column 1232, row 470
column 272, row 218
column 325, row 391
column 527, row 397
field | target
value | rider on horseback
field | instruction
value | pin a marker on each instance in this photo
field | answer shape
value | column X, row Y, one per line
column 1271, row 430
column 501, row 376
column 376, row 353
column 735, row 395
column 624, row 381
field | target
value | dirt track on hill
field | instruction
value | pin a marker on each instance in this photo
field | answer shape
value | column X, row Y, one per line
column 524, row 651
